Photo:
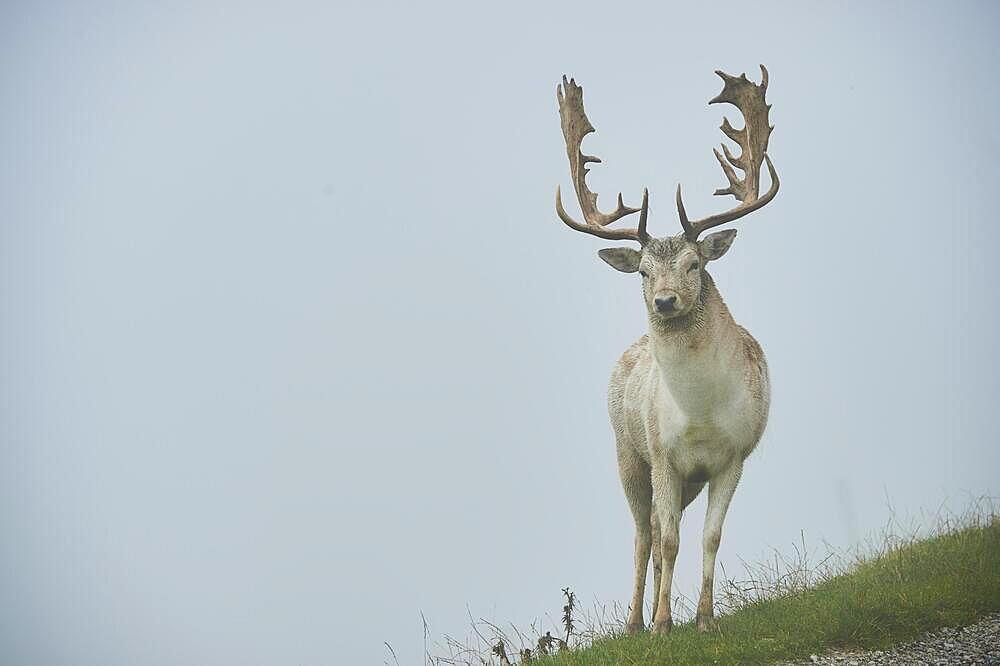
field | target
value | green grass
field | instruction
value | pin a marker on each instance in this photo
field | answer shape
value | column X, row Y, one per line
column 897, row 593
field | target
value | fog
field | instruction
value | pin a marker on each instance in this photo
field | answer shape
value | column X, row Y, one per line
column 296, row 349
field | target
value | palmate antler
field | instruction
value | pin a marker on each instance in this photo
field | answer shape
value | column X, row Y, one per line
column 575, row 127
column 752, row 139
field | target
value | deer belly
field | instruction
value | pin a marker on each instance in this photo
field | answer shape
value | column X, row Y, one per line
column 700, row 451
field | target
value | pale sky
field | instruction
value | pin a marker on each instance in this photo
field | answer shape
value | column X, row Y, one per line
column 295, row 347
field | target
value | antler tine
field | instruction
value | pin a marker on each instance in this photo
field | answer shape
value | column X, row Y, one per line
column 752, row 140
column 638, row 234
column 575, row 127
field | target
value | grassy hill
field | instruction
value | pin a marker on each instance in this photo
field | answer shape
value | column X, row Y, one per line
column 895, row 593
column 896, row 589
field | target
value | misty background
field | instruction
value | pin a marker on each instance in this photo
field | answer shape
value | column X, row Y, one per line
column 295, row 347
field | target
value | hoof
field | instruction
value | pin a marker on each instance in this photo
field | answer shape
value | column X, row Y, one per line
column 633, row 628
column 663, row 627
column 706, row 623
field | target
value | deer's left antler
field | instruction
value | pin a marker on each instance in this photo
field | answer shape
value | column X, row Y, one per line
column 752, row 140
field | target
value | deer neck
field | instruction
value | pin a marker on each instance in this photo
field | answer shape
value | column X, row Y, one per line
column 696, row 354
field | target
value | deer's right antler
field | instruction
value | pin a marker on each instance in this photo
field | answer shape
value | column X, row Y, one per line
column 575, row 127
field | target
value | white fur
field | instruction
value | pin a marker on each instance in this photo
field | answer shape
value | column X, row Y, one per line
column 688, row 405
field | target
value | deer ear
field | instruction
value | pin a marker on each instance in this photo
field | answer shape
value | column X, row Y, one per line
column 715, row 245
column 623, row 259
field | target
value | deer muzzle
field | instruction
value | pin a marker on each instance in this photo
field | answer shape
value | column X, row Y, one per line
column 666, row 302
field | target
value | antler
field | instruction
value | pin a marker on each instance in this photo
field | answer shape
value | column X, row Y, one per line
column 575, row 127
column 752, row 139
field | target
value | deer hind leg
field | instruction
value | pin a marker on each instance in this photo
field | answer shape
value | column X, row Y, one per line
column 720, row 492
column 635, row 478
column 667, row 490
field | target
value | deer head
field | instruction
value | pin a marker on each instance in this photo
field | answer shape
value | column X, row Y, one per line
column 673, row 268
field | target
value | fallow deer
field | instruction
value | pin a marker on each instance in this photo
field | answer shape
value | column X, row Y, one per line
column 689, row 400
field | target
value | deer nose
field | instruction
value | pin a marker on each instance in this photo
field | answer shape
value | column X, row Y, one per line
column 665, row 304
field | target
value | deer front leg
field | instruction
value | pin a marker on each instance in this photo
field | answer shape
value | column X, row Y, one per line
column 720, row 492
column 657, row 560
column 667, row 496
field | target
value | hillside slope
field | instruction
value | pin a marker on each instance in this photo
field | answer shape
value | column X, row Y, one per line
column 892, row 596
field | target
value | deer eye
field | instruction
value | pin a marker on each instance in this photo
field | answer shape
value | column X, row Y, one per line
column 643, row 274
column 693, row 267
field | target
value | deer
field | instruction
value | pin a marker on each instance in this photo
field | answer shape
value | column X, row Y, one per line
column 689, row 400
